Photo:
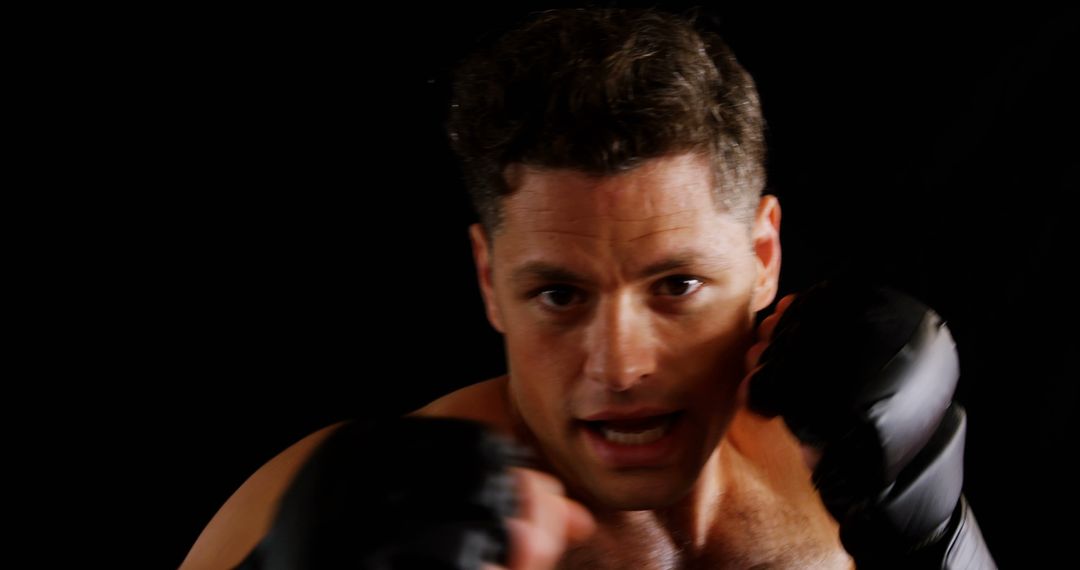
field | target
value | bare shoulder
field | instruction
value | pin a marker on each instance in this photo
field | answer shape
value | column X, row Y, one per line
column 771, row 490
column 485, row 402
column 243, row 520
column 246, row 517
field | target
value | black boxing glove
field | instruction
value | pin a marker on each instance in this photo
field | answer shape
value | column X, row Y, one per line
column 867, row 375
column 401, row 493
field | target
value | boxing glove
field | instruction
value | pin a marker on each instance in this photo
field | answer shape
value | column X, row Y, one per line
column 866, row 375
column 400, row 493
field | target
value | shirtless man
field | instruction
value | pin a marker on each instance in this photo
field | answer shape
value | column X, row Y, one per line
column 624, row 248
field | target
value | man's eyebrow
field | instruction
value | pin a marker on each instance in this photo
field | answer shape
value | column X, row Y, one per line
column 685, row 259
column 544, row 271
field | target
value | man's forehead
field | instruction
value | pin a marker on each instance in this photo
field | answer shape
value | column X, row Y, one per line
column 661, row 194
column 539, row 242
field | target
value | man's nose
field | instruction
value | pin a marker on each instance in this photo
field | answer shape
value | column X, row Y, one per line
column 620, row 344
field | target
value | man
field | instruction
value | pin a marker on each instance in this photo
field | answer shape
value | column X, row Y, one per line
column 624, row 248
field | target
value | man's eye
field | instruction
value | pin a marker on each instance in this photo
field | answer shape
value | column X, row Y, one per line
column 678, row 286
column 559, row 296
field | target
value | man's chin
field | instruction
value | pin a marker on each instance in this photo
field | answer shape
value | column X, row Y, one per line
column 636, row 492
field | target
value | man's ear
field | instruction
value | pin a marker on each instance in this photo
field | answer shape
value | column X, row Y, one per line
column 765, row 235
column 481, row 249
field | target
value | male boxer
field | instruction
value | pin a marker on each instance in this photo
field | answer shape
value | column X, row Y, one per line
column 624, row 247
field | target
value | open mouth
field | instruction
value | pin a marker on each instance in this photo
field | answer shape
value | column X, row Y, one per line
column 636, row 431
column 642, row 441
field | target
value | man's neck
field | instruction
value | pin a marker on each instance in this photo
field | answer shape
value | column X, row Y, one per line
column 691, row 520
column 688, row 523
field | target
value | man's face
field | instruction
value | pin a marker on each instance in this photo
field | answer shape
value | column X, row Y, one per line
column 627, row 305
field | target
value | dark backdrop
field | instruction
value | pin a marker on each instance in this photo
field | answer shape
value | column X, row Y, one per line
column 299, row 253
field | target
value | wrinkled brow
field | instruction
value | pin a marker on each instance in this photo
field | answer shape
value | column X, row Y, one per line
column 550, row 272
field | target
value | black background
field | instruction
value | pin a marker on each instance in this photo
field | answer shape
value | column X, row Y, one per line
column 296, row 249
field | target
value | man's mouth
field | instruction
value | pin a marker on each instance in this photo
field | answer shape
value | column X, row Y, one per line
column 632, row 440
column 637, row 431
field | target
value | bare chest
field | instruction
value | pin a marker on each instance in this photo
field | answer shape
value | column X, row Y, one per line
column 767, row 533
column 665, row 553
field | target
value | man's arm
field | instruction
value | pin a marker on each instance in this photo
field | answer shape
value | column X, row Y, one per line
column 243, row 520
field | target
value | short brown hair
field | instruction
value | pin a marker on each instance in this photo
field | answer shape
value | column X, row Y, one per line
column 601, row 91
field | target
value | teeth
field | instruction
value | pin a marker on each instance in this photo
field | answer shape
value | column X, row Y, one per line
column 635, row 437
